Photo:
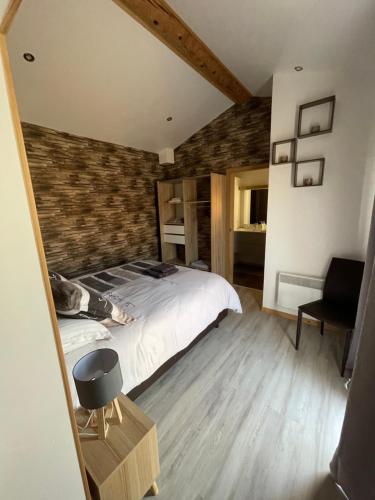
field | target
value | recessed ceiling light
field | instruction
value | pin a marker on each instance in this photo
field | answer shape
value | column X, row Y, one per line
column 298, row 68
column 169, row 119
column 29, row 57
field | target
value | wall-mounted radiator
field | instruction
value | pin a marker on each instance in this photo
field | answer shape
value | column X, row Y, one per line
column 295, row 289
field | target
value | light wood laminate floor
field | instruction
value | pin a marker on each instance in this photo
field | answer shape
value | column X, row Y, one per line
column 245, row 416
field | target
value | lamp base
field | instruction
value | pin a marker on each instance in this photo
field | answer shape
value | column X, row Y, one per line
column 117, row 417
column 102, row 418
column 102, row 426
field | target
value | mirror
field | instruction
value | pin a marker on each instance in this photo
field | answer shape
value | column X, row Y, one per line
column 254, row 205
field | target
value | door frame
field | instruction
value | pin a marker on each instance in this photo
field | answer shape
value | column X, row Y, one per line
column 231, row 174
column 8, row 18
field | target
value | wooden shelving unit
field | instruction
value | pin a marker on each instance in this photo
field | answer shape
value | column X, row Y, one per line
column 180, row 242
column 197, row 202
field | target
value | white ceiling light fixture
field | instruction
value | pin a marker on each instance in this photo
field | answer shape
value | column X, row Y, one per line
column 166, row 156
column 29, row 57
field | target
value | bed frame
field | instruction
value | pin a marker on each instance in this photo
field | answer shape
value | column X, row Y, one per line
column 137, row 391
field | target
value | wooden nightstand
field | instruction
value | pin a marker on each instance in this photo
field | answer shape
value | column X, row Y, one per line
column 126, row 464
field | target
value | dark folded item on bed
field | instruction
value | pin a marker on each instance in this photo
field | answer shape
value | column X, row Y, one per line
column 162, row 270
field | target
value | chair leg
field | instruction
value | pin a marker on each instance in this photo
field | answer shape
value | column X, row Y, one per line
column 299, row 327
column 322, row 328
column 348, row 338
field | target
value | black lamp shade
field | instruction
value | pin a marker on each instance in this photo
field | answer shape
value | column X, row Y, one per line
column 98, row 378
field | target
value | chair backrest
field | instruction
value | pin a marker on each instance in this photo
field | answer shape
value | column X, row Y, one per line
column 343, row 281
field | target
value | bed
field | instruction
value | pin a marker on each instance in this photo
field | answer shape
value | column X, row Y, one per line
column 170, row 314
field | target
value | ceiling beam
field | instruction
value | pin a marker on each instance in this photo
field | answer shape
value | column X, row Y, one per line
column 9, row 14
column 163, row 22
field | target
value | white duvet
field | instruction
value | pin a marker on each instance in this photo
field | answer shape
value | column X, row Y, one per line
column 169, row 313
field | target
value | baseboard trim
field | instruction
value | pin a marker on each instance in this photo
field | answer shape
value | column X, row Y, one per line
column 293, row 317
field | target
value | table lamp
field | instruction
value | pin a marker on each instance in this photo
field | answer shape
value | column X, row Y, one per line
column 98, row 380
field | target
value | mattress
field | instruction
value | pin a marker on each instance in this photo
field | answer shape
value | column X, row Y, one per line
column 170, row 312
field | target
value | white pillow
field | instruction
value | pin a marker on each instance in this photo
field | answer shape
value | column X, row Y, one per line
column 76, row 333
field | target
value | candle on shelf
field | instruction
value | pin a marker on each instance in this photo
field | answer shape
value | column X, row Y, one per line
column 283, row 158
column 315, row 128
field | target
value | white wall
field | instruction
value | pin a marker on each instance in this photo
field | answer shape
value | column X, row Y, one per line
column 38, row 459
column 307, row 226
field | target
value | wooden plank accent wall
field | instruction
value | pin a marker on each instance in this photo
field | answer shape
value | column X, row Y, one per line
column 95, row 200
column 239, row 136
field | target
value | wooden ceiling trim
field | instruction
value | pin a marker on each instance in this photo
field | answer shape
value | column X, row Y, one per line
column 163, row 22
column 9, row 14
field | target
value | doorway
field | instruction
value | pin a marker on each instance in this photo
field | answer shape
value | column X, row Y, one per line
column 247, row 225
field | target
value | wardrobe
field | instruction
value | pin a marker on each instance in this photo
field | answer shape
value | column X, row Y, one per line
column 192, row 221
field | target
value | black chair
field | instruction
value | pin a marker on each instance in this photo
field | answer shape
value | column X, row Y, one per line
column 339, row 303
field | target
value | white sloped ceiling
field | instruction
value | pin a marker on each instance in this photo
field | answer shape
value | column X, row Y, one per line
column 98, row 73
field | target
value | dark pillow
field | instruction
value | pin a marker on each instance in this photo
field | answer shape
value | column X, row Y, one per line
column 75, row 301
column 56, row 276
